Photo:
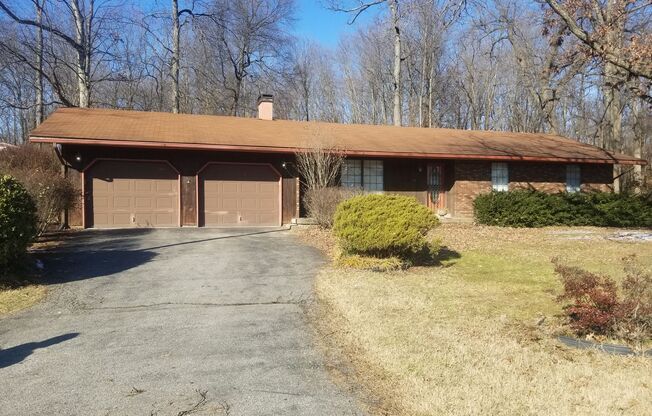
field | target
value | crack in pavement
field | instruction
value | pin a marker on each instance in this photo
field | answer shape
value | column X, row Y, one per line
column 208, row 304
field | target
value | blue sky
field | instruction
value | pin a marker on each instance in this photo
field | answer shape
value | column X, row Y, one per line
column 317, row 23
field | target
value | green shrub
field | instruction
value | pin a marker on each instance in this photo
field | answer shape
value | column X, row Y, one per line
column 383, row 226
column 528, row 208
column 17, row 221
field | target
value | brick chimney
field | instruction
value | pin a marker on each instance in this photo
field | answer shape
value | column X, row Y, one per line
column 266, row 107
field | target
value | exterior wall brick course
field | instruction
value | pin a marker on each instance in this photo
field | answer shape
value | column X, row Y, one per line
column 473, row 178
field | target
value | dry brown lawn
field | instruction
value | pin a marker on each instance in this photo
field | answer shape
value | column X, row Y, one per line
column 18, row 292
column 464, row 339
column 13, row 300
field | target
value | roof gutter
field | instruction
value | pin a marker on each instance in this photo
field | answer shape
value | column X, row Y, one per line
column 369, row 153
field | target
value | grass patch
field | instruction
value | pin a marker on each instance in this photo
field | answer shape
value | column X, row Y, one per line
column 467, row 337
column 17, row 298
column 370, row 263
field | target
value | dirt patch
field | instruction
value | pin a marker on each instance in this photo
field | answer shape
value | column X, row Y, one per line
column 319, row 238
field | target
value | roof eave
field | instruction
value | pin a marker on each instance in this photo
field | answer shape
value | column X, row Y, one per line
column 371, row 153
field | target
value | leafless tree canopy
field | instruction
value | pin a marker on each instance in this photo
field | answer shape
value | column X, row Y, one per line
column 580, row 68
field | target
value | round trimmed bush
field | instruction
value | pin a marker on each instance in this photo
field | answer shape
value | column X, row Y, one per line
column 383, row 225
column 17, row 221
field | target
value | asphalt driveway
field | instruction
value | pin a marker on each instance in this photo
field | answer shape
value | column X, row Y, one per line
column 162, row 322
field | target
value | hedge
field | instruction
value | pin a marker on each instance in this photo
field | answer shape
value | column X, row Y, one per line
column 17, row 221
column 383, row 226
column 528, row 208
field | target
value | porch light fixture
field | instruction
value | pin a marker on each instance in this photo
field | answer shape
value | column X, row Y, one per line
column 78, row 157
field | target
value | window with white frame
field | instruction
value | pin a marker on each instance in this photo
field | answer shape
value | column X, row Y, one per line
column 573, row 178
column 365, row 174
column 499, row 177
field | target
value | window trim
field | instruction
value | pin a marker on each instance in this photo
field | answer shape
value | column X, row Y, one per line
column 495, row 186
column 361, row 180
column 577, row 174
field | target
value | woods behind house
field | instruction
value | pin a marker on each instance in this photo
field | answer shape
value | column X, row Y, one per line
column 576, row 68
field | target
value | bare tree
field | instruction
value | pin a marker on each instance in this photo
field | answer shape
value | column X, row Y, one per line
column 89, row 27
column 320, row 162
column 355, row 10
column 601, row 27
column 40, row 110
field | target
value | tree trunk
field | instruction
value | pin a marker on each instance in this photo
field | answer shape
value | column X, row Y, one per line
column 175, row 56
column 83, row 53
column 39, row 62
column 612, row 85
column 393, row 5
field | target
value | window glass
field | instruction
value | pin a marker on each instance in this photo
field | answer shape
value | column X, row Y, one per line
column 499, row 177
column 573, row 178
column 373, row 175
column 351, row 173
column 365, row 174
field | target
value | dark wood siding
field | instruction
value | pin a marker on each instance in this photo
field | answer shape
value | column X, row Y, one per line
column 290, row 207
column 188, row 200
column 406, row 177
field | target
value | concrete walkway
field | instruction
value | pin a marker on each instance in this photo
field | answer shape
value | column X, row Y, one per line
column 159, row 322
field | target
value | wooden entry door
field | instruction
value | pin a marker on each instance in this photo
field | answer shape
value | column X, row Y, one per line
column 436, row 189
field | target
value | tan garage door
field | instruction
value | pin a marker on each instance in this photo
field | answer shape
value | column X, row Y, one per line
column 240, row 195
column 134, row 194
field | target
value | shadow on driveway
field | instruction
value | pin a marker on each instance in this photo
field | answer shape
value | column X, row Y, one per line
column 97, row 253
column 16, row 354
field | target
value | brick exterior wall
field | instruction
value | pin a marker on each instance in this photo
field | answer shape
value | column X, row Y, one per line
column 473, row 178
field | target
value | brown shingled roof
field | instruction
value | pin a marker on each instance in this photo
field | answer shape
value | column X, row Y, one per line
column 148, row 129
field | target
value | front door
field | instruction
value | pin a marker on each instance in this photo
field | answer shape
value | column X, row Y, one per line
column 436, row 190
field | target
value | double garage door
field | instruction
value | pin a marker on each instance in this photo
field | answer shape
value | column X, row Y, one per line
column 147, row 194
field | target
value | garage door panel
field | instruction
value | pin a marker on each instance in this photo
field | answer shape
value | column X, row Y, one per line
column 232, row 187
column 101, row 202
column 268, row 204
column 143, row 202
column 249, row 204
column 249, row 187
column 119, row 218
column 262, row 218
column 165, row 219
column 165, row 203
column 121, row 202
column 134, row 194
column 144, row 185
column 269, row 188
column 238, row 195
column 100, row 186
column 166, row 187
column 228, row 205
column 100, row 220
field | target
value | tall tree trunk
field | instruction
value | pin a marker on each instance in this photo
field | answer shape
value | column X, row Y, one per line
column 612, row 94
column 393, row 5
column 39, row 62
column 83, row 52
column 175, row 56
